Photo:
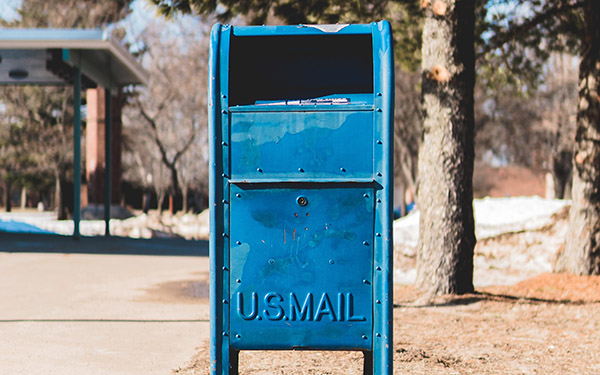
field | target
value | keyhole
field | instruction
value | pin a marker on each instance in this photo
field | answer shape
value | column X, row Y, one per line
column 302, row 201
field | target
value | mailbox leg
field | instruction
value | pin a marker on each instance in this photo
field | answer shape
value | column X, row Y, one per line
column 368, row 363
column 234, row 360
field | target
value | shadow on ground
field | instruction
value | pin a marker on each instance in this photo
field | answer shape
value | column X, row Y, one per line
column 52, row 243
column 475, row 297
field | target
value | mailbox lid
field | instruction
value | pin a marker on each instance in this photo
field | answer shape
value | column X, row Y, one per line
column 301, row 145
column 300, row 275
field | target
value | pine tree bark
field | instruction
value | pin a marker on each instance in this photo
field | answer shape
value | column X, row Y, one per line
column 581, row 255
column 446, row 156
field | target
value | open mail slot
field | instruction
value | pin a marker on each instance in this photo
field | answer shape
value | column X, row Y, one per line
column 270, row 69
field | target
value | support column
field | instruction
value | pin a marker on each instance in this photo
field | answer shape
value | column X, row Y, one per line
column 76, row 151
column 103, row 149
column 95, row 144
column 116, row 126
column 108, row 159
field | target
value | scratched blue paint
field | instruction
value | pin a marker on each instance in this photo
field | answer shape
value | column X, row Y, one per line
column 301, row 140
column 287, row 253
column 301, row 145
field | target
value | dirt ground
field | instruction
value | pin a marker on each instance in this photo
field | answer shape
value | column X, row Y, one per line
column 547, row 324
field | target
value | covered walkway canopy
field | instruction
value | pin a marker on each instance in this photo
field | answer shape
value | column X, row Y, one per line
column 88, row 58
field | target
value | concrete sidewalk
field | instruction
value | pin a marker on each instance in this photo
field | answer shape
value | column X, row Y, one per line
column 100, row 306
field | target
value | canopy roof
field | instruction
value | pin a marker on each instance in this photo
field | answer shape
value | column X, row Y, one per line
column 48, row 56
column 83, row 58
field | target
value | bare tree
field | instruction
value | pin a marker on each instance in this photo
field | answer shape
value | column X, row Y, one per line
column 169, row 116
column 193, row 170
column 407, row 129
column 558, row 111
column 71, row 13
column 508, row 127
column 534, row 128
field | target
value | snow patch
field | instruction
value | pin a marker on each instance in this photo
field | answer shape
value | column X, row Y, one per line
column 535, row 238
column 493, row 217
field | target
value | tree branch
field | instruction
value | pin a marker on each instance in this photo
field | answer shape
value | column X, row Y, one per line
column 498, row 40
column 152, row 123
column 184, row 148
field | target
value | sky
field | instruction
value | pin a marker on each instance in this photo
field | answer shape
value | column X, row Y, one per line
column 141, row 10
column 141, row 15
column 7, row 9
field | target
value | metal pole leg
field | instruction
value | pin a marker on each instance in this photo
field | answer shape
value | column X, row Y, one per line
column 234, row 361
column 368, row 363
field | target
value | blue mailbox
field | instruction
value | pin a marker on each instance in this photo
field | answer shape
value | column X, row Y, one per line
column 301, row 137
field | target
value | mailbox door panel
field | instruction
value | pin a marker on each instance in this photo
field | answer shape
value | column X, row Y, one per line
column 301, row 145
column 301, row 267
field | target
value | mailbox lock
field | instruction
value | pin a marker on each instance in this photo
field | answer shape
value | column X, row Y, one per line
column 302, row 201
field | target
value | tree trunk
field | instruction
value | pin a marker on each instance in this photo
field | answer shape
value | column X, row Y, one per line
column 446, row 156
column 7, row 197
column 174, row 179
column 161, row 199
column 23, row 198
column 184, row 193
column 562, row 164
column 61, row 208
column 581, row 255
column 146, row 202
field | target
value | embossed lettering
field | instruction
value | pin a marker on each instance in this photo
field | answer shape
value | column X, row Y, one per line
column 341, row 309
column 325, row 308
column 307, row 307
column 275, row 308
column 350, row 310
column 269, row 297
column 240, row 306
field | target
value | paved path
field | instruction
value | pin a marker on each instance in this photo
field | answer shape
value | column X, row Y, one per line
column 99, row 306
